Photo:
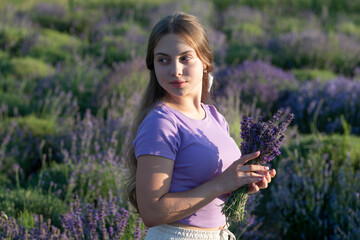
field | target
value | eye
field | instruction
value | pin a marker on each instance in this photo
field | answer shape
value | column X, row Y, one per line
column 186, row 58
column 163, row 60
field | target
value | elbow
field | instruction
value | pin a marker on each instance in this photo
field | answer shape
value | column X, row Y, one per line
column 151, row 218
column 148, row 222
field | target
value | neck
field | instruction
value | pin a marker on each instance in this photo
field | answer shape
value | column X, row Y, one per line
column 190, row 107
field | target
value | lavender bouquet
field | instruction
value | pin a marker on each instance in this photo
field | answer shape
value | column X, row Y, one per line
column 265, row 137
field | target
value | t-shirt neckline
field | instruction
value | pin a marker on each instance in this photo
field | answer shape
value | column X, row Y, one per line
column 183, row 115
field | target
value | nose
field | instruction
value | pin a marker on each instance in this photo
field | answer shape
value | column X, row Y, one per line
column 176, row 69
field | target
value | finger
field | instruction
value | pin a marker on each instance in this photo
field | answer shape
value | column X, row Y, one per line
column 250, row 180
column 253, row 188
column 248, row 157
column 272, row 173
column 244, row 175
column 254, row 168
column 268, row 177
column 262, row 184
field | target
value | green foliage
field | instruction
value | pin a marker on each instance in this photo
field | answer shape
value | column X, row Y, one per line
column 32, row 201
column 134, row 81
column 286, row 24
column 317, row 6
column 31, row 145
column 52, row 179
column 5, row 64
column 126, row 9
column 82, row 80
column 53, row 46
column 224, row 4
column 124, row 4
column 31, row 68
column 4, row 180
column 314, row 49
column 114, row 51
column 115, row 45
column 26, row 219
column 349, row 28
column 237, row 53
column 13, row 101
column 11, row 38
column 313, row 74
column 336, row 147
column 245, row 34
column 56, row 17
column 38, row 127
column 26, row 5
column 93, row 181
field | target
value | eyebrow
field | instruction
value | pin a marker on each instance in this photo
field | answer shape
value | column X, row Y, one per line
column 164, row 54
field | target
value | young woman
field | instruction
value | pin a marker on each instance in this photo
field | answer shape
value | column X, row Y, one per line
column 183, row 162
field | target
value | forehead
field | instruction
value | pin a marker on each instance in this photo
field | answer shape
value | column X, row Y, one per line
column 172, row 44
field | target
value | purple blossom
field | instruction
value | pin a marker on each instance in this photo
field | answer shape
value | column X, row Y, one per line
column 81, row 222
column 137, row 230
column 121, row 220
column 257, row 81
column 50, row 9
column 323, row 104
column 265, row 137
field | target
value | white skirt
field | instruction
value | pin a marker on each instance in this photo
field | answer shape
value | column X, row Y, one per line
column 168, row 232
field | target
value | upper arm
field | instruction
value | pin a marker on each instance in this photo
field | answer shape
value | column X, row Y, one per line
column 157, row 135
column 153, row 178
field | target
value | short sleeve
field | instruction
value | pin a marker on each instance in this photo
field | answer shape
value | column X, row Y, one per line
column 157, row 135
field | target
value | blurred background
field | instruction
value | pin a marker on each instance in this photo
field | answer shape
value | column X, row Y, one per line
column 72, row 73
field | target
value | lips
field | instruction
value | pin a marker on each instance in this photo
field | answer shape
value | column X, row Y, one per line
column 177, row 84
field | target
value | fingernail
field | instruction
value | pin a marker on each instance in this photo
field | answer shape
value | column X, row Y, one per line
column 266, row 168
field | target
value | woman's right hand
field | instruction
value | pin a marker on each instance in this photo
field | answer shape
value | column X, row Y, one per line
column 238, row 174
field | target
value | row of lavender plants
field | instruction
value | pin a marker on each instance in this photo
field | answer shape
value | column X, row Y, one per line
column 72, row 75
column 318, row 103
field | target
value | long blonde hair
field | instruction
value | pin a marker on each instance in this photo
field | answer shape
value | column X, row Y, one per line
column 193, row 33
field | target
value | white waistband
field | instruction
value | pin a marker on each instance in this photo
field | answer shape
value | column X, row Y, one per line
column 172, row 232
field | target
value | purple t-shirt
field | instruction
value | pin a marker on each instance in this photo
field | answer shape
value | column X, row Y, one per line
column 201, row 149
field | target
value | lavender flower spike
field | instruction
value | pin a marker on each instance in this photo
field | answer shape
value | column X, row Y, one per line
column 266, row 137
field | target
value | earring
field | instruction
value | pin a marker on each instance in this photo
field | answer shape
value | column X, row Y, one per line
column 204, row 70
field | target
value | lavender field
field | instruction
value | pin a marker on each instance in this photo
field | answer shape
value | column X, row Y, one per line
column 72, row 73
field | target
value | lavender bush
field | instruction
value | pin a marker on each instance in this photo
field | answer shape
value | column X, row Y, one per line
column 265, row 137
column 255, row 81
column 313, row 48
column 320, row 105
column 53, row 46
column 80, row 81
column 319, row 196
column 114, row 40
column 83, row 221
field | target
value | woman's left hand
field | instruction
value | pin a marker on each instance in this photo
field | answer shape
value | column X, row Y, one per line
column 255, row 187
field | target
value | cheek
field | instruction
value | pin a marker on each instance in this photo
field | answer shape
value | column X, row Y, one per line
column 159, row 73
column 197, row 69
column 199, row 72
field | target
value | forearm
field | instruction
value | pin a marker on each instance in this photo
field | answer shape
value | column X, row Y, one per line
column 174, row 206
column 158, row 206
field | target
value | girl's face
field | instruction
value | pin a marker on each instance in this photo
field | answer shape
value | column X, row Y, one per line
column 178, row 68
